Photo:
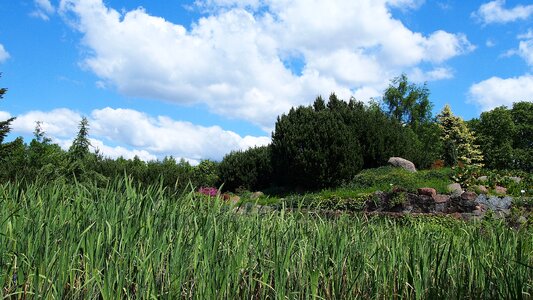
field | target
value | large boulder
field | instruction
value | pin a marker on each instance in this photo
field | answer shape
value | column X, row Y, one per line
column 402, row 163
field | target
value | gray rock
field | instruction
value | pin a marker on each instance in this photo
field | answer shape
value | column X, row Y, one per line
column 455, row 189
column 256, row 195
column 402, row 163
column 468, row 196
column 494, row 203
column 481, row 189
column 515, row 179
column 482, row 178
column 441, row 207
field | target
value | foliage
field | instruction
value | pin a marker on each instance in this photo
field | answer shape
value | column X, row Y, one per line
column 205, row 174
column 458, row 140
column 325, row 145
column 407, row 103
column 4, row 127
column 506, row 136
column 385, row 178
column 124, row 241
column 250, row 169
column 79, row 149
column 316, row 147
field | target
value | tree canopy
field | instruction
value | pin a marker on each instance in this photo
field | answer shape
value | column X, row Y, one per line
column 407, row 102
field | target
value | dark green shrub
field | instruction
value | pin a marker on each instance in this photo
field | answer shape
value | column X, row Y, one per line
column 250, row 169
column 326, row 145
column 315, row 147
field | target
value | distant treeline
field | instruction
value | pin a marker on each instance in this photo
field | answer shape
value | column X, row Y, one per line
column 321, row 145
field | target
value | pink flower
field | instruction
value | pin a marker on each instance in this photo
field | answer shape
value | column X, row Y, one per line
column 208, row 191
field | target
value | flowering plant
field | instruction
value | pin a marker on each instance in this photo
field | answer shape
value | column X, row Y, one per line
column 208, row 191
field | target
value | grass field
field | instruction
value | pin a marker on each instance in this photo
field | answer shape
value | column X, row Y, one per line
column 123, row 241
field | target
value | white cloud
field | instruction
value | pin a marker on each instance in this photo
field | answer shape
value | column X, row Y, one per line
column 118, row 151
column 441, row 46
column 494, row 12
column 4, row 115
column 232, row 59
column 417, row 75
column 406, row 4
column 43, row 9
column 130, row 129
column 4, row 55
column 525, row 50
column 490, row 43
column 496, row 91
column 59, row 123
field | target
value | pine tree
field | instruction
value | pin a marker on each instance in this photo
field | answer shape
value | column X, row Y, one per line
column 4, row 125
column 459, row 141
column 80, row 146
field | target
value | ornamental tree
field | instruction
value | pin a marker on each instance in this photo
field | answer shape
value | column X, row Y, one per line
column 458, row 140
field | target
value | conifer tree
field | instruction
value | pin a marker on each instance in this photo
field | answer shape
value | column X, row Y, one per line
column 4, row 125
column 459, row 141
column 80, row 146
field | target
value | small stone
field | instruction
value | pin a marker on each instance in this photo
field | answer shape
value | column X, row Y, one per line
column 522, row 220
column 441, row 198
column 500, row 190
column 457, row 216
column 427, row 192
column 516, row 179
column 477, row 212
column 482, row 178
column 256, row 195
column 234, row 199
column 455, row 189
column 481, row 189
column 468, row 196
column 226, row 197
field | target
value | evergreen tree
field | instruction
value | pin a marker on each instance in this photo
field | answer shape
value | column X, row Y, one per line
column 458, row 140
column 80, row 146
column 4, row 125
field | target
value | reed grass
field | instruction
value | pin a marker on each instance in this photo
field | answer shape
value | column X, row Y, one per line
column 125, row 241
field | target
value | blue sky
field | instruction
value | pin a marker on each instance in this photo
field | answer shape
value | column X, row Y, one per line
column 197, row 79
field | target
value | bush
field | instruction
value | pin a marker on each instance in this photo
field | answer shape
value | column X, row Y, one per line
column 249, row 170
column 385, row 178
column 324, row 146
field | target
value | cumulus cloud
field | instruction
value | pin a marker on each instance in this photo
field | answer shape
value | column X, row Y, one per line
column 59, row 123
column 43, row 9
column 232, row 59
column 497, row 91
column 418, row 75
column 406, row 4
column 4, row 55
column 495, row 12
column 151, row 137
column 525, row 47
column 4, row 115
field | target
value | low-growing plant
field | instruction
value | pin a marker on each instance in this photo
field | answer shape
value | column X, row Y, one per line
column 384, row 177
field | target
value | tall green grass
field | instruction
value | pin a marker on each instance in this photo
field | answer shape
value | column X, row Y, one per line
column 125, row 241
